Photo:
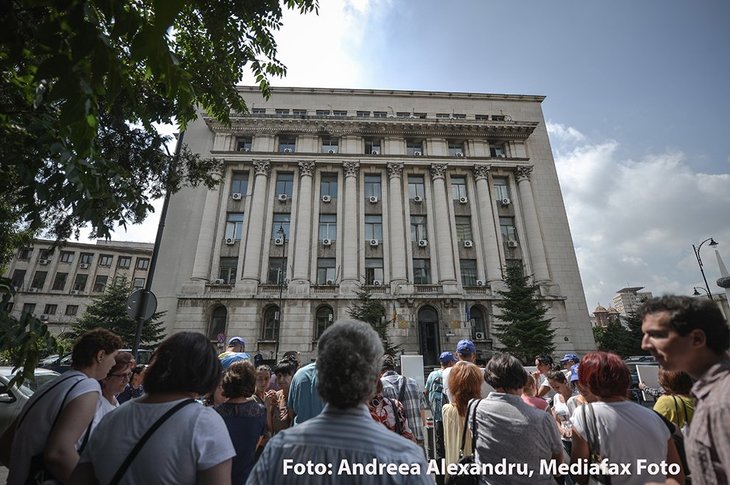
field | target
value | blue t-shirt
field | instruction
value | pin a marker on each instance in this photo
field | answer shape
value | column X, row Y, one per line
column 303, row 396
column 228, row 358
column 246, row 422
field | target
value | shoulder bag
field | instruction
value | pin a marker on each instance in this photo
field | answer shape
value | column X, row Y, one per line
column 467, row 460
column 594, row 448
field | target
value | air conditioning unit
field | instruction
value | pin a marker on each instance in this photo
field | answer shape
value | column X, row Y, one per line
column 34, row 290
column 236, row 196
column 501, row 155
column 326, row 242
column 43, row 262
column 479, row 335
column 480, row 282
column 84, row 266
column 505, row 202
column 44, row 318
column 417, row 153
column 418, row 199
column 377, row 283
column 460, row 154
column 279, row 241
column 512, row 243
column 422, row 243
column 468, row 243
column 463, row 200
column 331, row 151
column 330, row 282
column 287, row 150
column 374, row 242
column 230, row 241
column 373, row 199
column 374, row 152
column 219, row 282
column 327, row 198
column 282, row 197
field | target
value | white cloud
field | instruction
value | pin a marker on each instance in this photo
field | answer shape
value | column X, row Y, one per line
column 564, row 133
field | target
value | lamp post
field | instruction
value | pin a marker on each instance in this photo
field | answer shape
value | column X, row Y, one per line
column 697, row 292
column 699, row 261
column 282, row 283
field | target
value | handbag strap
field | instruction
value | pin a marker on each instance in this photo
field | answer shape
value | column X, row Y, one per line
column 396, row 417
column 466, row 427
column 135, row 451
column 58, row 382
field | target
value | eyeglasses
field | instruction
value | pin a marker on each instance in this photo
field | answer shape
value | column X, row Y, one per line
column 126, row 375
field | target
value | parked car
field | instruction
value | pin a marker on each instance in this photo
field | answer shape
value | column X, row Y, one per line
column 62, row 364
column 632, row 362
column 12, row 399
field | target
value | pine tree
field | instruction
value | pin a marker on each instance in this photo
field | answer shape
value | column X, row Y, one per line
column 524, row 331
column 109, row 310
column 373, row 312
column 614, row 337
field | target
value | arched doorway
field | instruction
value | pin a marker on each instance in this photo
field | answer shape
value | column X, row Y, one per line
column 428, row 334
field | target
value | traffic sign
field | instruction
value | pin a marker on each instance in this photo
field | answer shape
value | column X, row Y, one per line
column 135, row 300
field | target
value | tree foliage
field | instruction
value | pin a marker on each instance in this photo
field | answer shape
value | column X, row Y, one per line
column 524, row 331
column 373, row 312
column 620, row 336
column 109, row 310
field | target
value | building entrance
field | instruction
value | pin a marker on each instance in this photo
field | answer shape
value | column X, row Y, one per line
column 428, row 335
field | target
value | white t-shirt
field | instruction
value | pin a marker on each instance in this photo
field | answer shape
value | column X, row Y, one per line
column 544, row 383
column 627, row 432
column 486, row 388
column 32, row 434
column 193, row 439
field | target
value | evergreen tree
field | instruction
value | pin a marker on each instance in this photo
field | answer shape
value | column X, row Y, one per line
column 109, row 310
column 373, row 312
column 622, row 337
column 524, row 331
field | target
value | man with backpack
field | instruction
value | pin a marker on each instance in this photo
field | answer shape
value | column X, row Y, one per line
column 434, row 395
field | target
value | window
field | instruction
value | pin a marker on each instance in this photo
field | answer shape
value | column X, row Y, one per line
column 45, row 254
column 372, row 186
column 50, row 309
column 281, row 221
column 80, row 283
column 239, row 183
column 327, row 227
column 270, row 330
column 39, row 279
column 258, row 111
column 421, row 272
column 143, row 263
column 29, row 308
column 374, row 227
column 284, row 183
column 299, row 112
column 330, row 145
column 277, row 271
column 456, row 148
column 501, row 191
column 507, row 227
column 468, row 272
column 372, row 146
column 86, row 258
column 374, row 271
column 421, row 116
column 481, row 117
column 418, row 228
column 458, row 187
column 124, row 262
column 326, row 271
column 25, row 253
column 72, row 310
column 414, row 147
column 459, row 116
column 339, row 112
column 499, row 118
column 363, row 114
column 18, row 278
column 463, row 229
column 59, row 282
column 443, row 115
column 403, row 114
column 138, row 283
column 100, row 283
column 281, row 112
column 105, row 259
column 497, row 150
column 323, row 112
column 416, row 187
column 227, row 270
column 244, row 144
column 67, row 256
column 234, row 225
column 287, row 144
column 324, row 318
column 478, row 322
column 217, row 323
column 380, row 114
column 328, row 185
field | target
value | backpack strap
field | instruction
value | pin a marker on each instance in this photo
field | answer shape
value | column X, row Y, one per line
column 58, row 382
column 402, row 393
column 135, row 451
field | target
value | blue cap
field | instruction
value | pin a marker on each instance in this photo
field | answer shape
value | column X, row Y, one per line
column 236, row 340
column 466, row 347
column 446, row 357
column 574, row 373
column 568, row 358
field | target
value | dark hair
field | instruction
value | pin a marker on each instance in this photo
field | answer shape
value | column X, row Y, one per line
column 139, row 369
column 184, row 362
column 122, row 361
column 675, row 382
column 545, row 359
column 604, row 374
column 285, row 367
column 263, row 367
column 348, row 363
column 557, row 375
column 687, row 314
column 505, row 371
column 239, row 380
column 90, row 343
column 466, row 384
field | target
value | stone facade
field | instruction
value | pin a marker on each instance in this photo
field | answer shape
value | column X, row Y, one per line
column 420, row 197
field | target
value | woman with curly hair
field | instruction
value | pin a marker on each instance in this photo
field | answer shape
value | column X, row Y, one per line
column 465, row 384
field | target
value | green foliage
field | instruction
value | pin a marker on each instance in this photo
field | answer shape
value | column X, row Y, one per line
column 109, row 310
column 373, row 312
column 524, row 331
column 622, row 337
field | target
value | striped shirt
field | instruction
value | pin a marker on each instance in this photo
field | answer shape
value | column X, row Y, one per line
column 340, row 446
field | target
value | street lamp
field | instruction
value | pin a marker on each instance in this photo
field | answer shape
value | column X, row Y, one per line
column 281, row 281
column 699, row 261
column 697, row 293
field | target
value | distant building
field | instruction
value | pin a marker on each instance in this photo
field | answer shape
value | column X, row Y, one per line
column 627, row 300
column 603, row 316
column 57, row 286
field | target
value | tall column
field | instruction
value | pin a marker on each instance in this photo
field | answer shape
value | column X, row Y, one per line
column 396, row 229
column 532, row 224
column 440, row 220
column 206, row 236
column 254, row 243
column 350, row 228
column 489, row 240
column 303, row 232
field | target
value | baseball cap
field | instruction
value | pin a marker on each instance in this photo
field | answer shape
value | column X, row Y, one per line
column 466, row 347
column 446, row 357
column 569, row 357
column 236, row 340
column 574, row 373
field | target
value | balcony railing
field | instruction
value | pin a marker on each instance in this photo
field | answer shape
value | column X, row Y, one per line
column 427, row 288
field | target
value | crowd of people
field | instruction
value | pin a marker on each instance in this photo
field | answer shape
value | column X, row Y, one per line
column 194, row 416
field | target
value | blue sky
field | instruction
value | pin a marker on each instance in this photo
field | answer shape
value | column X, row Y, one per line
column 636, row 109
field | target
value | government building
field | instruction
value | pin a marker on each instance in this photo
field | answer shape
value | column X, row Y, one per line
column 420, row 198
